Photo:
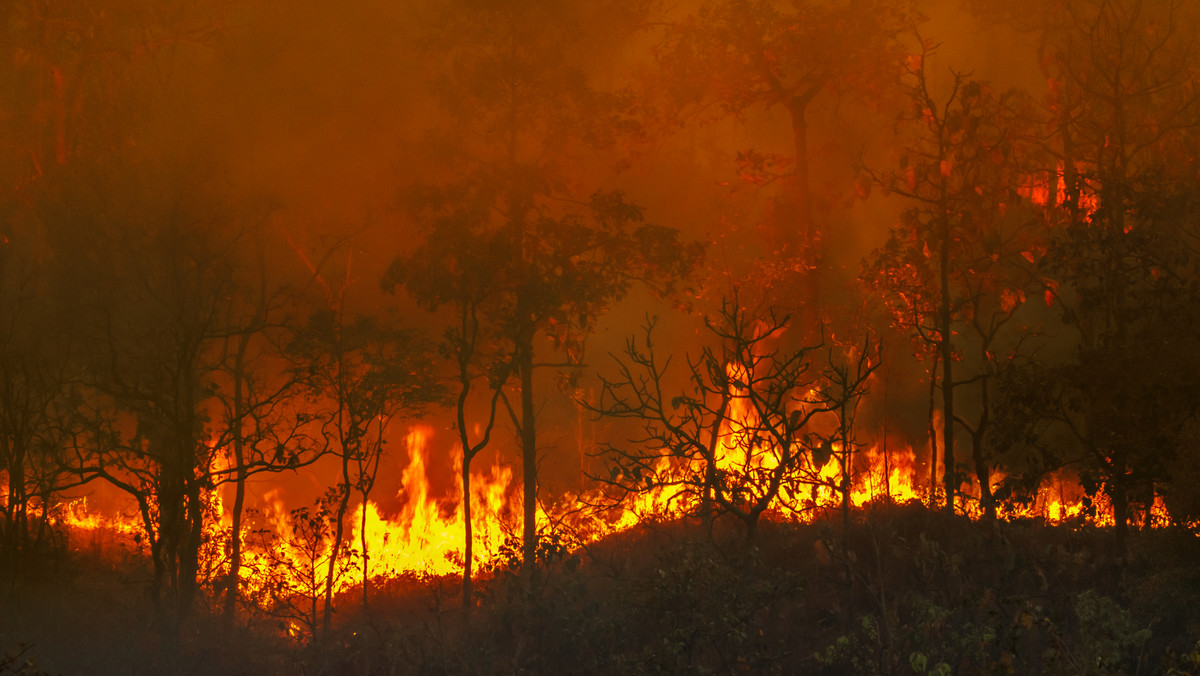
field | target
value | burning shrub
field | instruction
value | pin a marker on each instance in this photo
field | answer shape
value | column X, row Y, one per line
column 288, row 582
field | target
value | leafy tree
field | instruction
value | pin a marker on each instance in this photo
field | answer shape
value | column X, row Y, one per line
column 298, row 553
column 1122, row 86
column 961, row 256
column 521, row 111
column 453, row 269
column 359, row 374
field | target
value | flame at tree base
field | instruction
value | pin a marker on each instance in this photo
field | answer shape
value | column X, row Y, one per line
column 286, row 553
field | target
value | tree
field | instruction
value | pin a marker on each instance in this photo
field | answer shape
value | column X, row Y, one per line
column 37, row 373
column 736, row 439
column 181, row 389
column 843, row 385
column 521, row 109
column 1122, row 87
column 298, row 555
column 151, row 273
column 962, row 254
column 81, row 77
column 359, row 373
column 734, row 56
column 262, row 424
column 71, row 85
column 453, row 269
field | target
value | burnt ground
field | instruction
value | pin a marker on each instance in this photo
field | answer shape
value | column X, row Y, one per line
column 905, row 591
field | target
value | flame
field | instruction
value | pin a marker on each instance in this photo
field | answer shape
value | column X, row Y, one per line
column 424, row 536
column 1038, row 192
column 76, row 514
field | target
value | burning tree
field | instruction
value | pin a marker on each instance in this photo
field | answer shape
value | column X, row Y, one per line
column 507, row 215
column 1124, row 251
column 359, row 374
column 959, row 266
column 736, row 440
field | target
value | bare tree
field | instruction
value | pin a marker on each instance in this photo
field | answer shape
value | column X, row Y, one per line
column 735, row 439
column 843, row 385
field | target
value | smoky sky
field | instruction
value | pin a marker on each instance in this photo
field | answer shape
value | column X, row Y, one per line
column 317, row 111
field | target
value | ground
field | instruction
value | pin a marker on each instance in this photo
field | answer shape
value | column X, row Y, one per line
column 905, row 591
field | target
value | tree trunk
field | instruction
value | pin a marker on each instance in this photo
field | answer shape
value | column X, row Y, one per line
column 1120, row 502
column 933, row 446
column 233, row 579
column 528, row 454
column 336, row 550
column 811, row 247
column 846, row 469
column 468, row 540
column 189, row 557
column 982, row 473
column 16, row 509
column 949, row 475
column 366, row 559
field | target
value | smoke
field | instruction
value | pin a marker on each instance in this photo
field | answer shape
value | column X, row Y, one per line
column 313, row 113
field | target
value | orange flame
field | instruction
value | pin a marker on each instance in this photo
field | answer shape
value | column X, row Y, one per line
column 424, row 537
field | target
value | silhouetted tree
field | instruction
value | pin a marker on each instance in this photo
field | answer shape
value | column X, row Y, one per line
column 263, row 425
column 841, row 389
column 359, row 373
column 955, row 259
column 454, row 268
column 735, row 439
column 1124, row 252
column 521, row 111
column 298, row 552
column 37, row 374
column 153, row 279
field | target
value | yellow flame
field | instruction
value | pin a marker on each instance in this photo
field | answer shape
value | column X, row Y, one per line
column 425, row 535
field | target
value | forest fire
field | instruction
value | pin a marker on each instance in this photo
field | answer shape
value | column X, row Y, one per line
column 570, row 336
column 424, row 538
